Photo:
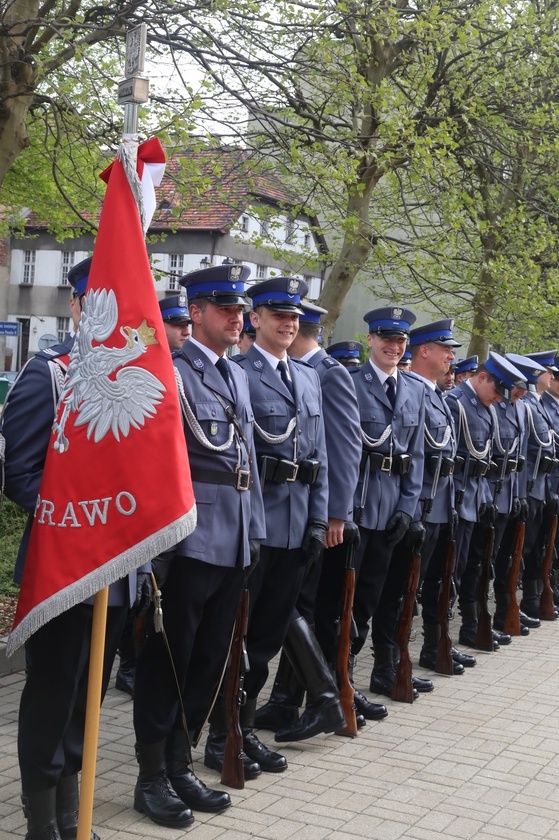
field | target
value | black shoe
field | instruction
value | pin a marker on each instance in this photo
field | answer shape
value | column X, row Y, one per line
column 470, row 639
column 215, row 749
column 269, row 761
column 463, row 658
column 528, row 621
column 383, row 685
column 197, row 796
column 428, row 659
column 274, row 716
column 422, row 686
column 502, row 638
column 124, row 680
column 322, row 718
column 155, row 798
column 360, row 719
column 368, row 710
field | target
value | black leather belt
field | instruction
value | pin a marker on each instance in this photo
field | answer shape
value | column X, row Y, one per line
column 240, row 479
column 280, row 470
column 395, row 464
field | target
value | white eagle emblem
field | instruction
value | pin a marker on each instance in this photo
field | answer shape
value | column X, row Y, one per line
column 106, row 402
column 397, row 313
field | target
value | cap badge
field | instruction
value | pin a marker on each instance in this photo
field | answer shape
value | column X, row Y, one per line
column 536, row 372
column 397, row 313
column 293, row 286
column 235, row 272
column 351, row 345
column 182, row 300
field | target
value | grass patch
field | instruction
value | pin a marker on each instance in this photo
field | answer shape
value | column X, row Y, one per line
column 12, row 523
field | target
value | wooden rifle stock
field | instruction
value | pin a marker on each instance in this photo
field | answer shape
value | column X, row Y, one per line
column 512, row 618
column 233, row 773
column 344, row 647
column 444, row 663
column 547, row 610
column 484, row 638
column 402, row 689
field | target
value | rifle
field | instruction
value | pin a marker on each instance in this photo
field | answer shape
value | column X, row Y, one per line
column 484, row 636
column 402, row 689
column 547, row 611
column 233, row 773
column 347, row 691
column 444, row 664
column 512, row 618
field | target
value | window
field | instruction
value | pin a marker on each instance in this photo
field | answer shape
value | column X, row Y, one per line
column 28, row 267
column 290, row 231
column 244, row 224
column 62, row 329
column 261, row 272
column 307, row 239
column 67, row 263
column 264, row 228
column 176, row 264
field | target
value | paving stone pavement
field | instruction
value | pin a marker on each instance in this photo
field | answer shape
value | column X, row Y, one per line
column 477, row 758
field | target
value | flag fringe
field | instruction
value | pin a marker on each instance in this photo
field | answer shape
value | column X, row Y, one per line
column 108, row 573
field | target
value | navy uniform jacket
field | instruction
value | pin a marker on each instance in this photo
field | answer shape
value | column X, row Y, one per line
column 438, row 425
column 343, row 436
column 227, row 517
column 509, row 428
column 388, row 492
column 289, row 506
column 551, row 405
column 28, row 417
column 544, row 431
column 480, row 424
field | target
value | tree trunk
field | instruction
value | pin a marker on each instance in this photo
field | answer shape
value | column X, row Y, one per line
column 483, row 305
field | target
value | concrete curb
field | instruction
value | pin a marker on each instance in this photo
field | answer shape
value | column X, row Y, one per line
column 14, row 663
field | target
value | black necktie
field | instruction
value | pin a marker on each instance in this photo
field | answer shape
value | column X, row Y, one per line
column 223, row 368
column 391, row 390
column 282, row 367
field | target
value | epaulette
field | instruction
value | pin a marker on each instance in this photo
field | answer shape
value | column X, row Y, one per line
column 300, row 362
column 238, row 357
column 412, row 375
column 354, row 369
column 52, row 352
column 329, row 362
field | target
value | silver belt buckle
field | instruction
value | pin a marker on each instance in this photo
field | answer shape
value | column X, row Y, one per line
column 295, row 472
column 243, row 479
column 386, row 465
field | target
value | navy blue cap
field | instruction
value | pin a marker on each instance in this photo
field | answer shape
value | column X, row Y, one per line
column 390, row 320
column 78, row 275
column 530, row 368
column 282, row 294
column 311, row 313
column 175, row 308
column 248, row 326
column 507, row 375
column 345, row 351
column 547, row 358
column 406, row 358
column 439, row 332
column 223, row 285
column 465, row 365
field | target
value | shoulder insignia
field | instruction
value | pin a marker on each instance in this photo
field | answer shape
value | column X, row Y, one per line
column 368, row 377
column 198, row 363
column 330, row 362
column 257, row 364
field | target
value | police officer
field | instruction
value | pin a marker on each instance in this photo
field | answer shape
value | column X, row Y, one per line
column 538, row 370
column 53, row 701
column 550, row 399
column 392, row 410
column 347, row 353
column 465, row 369
column 202, row 579
column 290, row 443
column 432, row 351
column 248, row 334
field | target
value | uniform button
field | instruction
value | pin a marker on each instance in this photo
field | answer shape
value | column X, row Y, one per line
column 300, row 431
column 272, row 411
column 298, row 411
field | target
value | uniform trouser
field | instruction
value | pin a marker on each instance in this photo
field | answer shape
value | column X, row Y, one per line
column 468, row 590
column 433, row 554
column 504, row 536
column 329, row 600
column 199, row 603
column 385, row 618
column 305, row 606
column 274, row 588
column 53, row 701
column 534, row 540
column 371, row 563
column 464, row 533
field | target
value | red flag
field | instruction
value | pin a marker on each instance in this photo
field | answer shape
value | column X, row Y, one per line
column 116, row 488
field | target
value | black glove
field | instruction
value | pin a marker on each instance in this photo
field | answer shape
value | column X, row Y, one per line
column 524, row 510
column 254, row 548
column 552, row 504
column 351, row 534
column 314, row 539
column 144, row 593
column 160, row 567
column 453, row 523
column 415, row 536
column 487, row 513
column 515, row 508
column 397, row 527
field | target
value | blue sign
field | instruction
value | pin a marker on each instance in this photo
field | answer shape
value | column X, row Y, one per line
column 9, row 328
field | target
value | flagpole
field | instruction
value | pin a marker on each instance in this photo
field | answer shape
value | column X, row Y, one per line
column 133, row 90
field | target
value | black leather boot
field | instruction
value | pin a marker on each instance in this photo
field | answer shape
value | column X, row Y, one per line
column 189, row 787
column 530, row 603
column 501, row 606
column 465, row 659
column 428, row 655
column 323, row 712
column 39, row 808
column 382, row 677
column 215, row 745
column 419, row 685
column 364, row 707
column 527, row 621
column 154, row 795
column 468, row 629
column 67, row 807
column 282, row 709
column 269, row 761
